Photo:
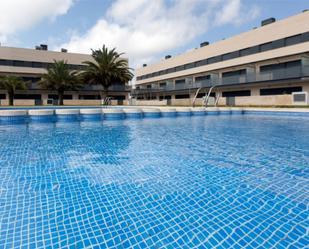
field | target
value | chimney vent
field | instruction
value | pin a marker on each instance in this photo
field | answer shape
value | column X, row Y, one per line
column 204, row 44
column 268, row 21
column 44, row 47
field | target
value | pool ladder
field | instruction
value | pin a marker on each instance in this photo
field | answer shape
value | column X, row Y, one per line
column 205, row 101
column 107, row 101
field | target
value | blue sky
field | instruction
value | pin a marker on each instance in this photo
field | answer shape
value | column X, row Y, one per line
column 145, row 30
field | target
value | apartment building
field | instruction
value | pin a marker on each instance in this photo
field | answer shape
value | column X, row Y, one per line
column 268, row 65
column 30, row 64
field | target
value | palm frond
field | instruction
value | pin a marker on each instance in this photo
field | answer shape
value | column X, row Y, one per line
column 106, row 68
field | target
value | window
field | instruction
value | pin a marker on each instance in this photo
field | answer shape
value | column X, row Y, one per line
column 214, row 59
column 234, row 73
column 182, row 81
column 31, row 79
column 286, row 65
column 179, row 68
column 292, row 40
column 236, row 93
column 245, row 52
column 162, row 84
column 189, row 65
column 255, row 49
column 18, row 63
column 280, row 91
column 202, row 78
column 4, row 63
column 119, row 97
column 37, row 64
column 305, row 37
column 2, row 96
column 201, row 95
column 165, row 97
column 89, row 97
column 266, row 46
column 55, row 96
column 201, row 63
column 278, row 44
column 231, row 55
column 182, row 96
column 268, row 68
column 155, row 74
column 171, row 70
column 162, row 72
column 27, row 96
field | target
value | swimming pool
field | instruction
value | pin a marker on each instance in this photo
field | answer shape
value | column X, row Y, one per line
column 225, row 181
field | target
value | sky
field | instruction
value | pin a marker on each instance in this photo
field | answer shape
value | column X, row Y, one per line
column 145, row 30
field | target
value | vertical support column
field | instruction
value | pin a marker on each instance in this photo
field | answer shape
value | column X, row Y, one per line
column 255, row 91
column 305, row 71
column 75, row 96
column 44, row 97
column 250, row 74
column 215, row 78
column 306, row 88
column 305, row 66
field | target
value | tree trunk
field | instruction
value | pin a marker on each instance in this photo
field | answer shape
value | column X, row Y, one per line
column 104, row 95
column 11, row 98
column 60, row 98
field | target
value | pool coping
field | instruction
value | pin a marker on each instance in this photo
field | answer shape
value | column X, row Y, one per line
column 80, row 114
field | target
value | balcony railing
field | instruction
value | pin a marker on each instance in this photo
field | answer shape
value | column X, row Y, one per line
column 277, row 74
column 113, row 88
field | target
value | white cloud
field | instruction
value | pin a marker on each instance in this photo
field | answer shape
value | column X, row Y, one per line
column 235, row 13
column 145, row 29
column 17, row 15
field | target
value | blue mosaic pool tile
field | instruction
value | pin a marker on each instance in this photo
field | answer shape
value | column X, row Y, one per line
column 42, row 118
column 202, row 182
column 114, row 116
column 169, row 114
column 13, row 119
column 134, row 115
column 152, row 114
column 91, row 117
column 67, row 117
column 183, row 113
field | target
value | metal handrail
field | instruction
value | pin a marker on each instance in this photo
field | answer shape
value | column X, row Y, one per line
column 208, row 95
column 107, row 101
column 241, row 79
column 195, row 96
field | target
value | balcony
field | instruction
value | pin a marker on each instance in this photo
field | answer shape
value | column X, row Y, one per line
column 113, row 88
column 273, row 75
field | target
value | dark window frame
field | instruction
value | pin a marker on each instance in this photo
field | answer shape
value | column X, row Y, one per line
column 280, row 90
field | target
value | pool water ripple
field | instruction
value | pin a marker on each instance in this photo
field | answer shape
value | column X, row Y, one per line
column 186, row 182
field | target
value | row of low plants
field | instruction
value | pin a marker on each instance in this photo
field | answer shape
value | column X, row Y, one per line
column 107, row 68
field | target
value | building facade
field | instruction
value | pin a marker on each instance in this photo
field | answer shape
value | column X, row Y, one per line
column 30, row 64
column 263, row 66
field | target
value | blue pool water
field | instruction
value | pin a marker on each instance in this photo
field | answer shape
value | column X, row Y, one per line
column 226, row 181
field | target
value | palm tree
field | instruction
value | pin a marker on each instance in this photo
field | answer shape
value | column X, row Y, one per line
column 106, row 69
column 11, row 84
column 60, row 78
